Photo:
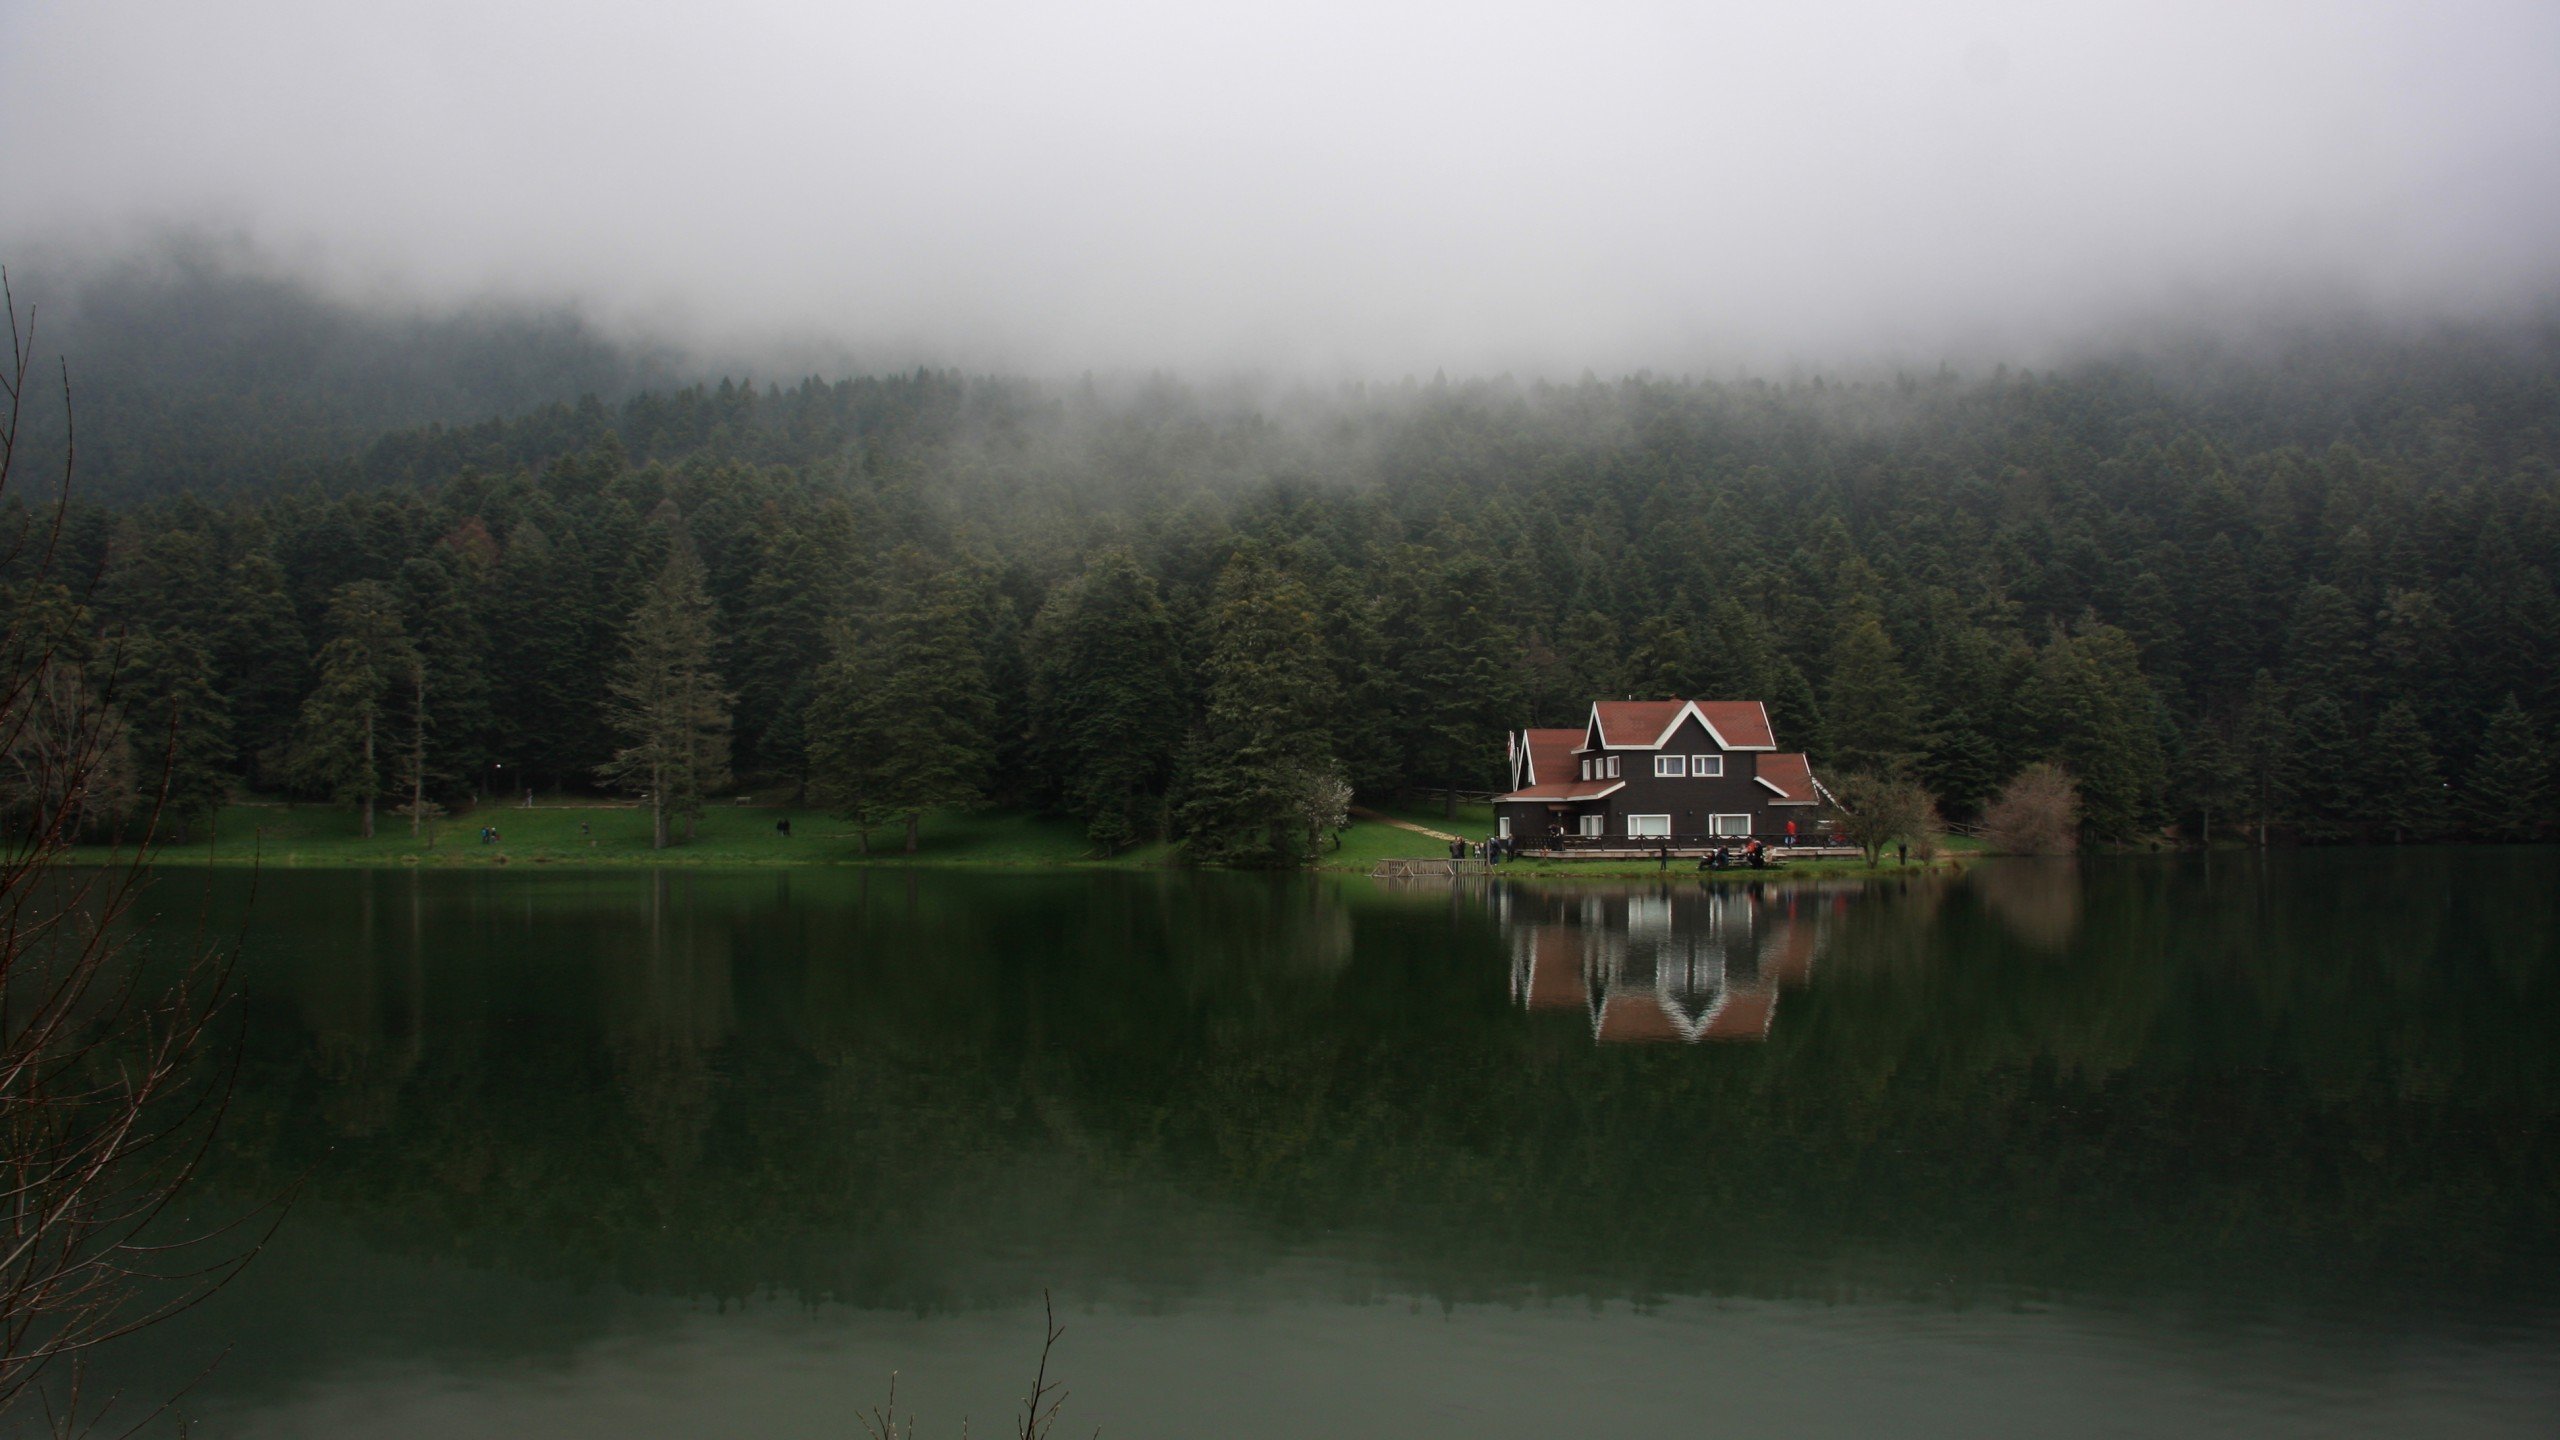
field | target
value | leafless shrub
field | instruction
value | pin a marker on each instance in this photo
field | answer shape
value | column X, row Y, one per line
column 2037, row 814
column 109, row 1077
column 1875, row 811
column 1039, row 1407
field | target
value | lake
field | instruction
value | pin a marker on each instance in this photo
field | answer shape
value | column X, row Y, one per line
column 2145, row 1146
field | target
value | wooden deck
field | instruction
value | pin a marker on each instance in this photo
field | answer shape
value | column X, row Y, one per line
column 1441, row 867
column 1693, row 852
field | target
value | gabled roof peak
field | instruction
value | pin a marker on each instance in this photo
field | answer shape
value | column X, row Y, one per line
column 1647, row 724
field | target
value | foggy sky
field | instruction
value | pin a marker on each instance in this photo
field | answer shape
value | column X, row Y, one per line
column 1368, row 189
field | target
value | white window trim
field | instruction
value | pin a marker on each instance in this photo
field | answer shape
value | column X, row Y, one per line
column 1707, row 767
column 1593, row 825
column 1670, row 767
column 1613, row 767
column 1716, row 826
column 1662, row 834
column 1502, row 826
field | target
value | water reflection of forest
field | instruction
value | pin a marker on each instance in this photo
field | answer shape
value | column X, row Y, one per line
column 1667, row 963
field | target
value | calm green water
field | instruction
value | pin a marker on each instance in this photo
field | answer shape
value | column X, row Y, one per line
column 2140, row 1148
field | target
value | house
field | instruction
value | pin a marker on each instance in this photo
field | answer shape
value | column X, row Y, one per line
column 1672, row 964
column 1643, row 773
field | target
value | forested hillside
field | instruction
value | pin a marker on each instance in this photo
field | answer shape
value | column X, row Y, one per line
column 2310, row 586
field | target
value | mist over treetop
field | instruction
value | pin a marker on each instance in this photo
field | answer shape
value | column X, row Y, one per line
column 203, row 368
column 1322, row 190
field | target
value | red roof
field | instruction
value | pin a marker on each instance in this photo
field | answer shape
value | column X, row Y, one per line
column 1745, row 1015
column 1555, row 773
column 1738, row 724
column 1551, row 759
column 1790, row 774
column 1793, row 964
column 1637, row 1018
column 1555, row 969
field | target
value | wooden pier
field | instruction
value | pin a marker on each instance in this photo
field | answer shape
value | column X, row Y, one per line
column 1437, row 867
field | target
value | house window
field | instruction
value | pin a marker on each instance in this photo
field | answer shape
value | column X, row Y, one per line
column 1670, row 767
column 1502, row 827
column 1728, row 824
column 1649, row 827
column 1706, row 767
column 1591, row 825
column 1613, row 767
column 1586, row 769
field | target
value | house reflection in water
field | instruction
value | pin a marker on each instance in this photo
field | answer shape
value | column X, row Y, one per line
column 1665, row 963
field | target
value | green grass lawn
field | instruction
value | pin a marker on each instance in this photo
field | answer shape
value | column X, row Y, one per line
column 583, row 833
column 572, row 833
column 567, row 833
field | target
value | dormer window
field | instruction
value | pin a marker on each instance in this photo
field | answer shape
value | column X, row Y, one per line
column 1586, row 769
column 1670, row 767
column 1613, row 767
column 1706, row 767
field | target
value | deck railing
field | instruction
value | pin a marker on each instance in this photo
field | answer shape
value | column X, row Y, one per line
column 1693, row 845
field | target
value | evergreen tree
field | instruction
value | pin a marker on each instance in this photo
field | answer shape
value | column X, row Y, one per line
column 1663, row 662
column 180, row 729
column 2265, row 752
column 1457, row 680
column 1264, row 725
column 1960, row 763
column 666, row 700
column 264, row 662
column 2213, row 778
column 2090, row 710
column 338, row 746
column 548, row 662
column 2328, row 769
column 798, row 580
column 2325, row 648
column 1873, row 714
column 438, row 594
column 2410, row 798
column 1108, row 710
column 2506, row 792
column 901, row 721
column 1362, row 722
column 2223, row 630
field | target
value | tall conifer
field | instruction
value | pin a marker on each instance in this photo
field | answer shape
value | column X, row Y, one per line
column 1108, row 710
column 2410, row 798
column 666, row 702
column 901, row 721
column 1265, row 720
column 341, row 745
column 2506, row 792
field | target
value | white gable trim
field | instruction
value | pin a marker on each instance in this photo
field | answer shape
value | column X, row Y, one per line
column 1774, row 787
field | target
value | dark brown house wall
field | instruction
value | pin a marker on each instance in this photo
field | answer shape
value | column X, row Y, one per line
column 1690, row 801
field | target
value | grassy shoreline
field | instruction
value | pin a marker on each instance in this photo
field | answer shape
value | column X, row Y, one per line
column 574, row 835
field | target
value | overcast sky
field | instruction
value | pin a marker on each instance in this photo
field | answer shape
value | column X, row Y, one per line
column 1367, row 188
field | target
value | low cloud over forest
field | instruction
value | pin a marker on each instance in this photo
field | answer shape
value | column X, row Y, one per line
column 1321, row 190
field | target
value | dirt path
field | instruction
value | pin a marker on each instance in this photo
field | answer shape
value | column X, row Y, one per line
column 1363, row 812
